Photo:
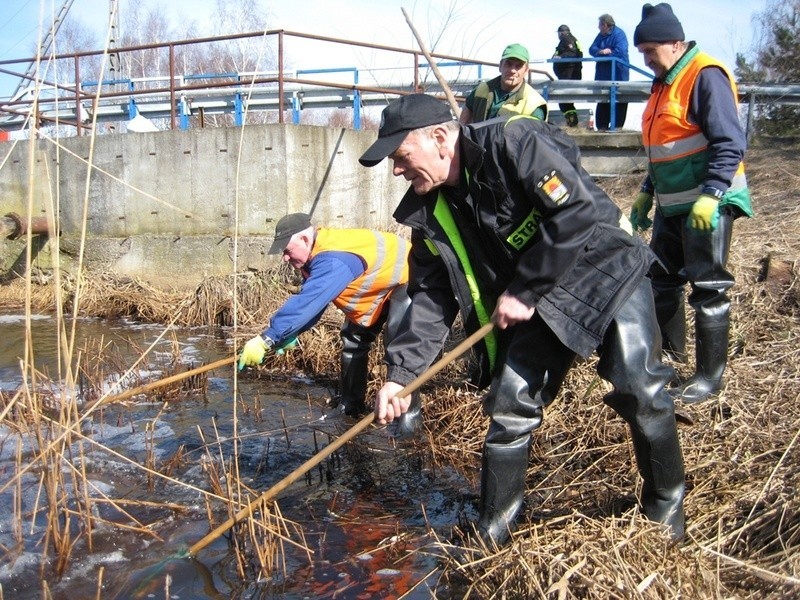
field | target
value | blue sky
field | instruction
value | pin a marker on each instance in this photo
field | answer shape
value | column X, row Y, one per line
column 480, row 29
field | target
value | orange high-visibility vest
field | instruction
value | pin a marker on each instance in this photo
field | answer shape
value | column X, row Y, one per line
column 385, row 257
column 676, row 148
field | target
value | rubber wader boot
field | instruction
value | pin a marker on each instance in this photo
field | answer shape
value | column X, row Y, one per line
column 502, row 489
column 410, row 422
column 355, row 366
column 671, row 315
column 712, row 356
column 572, row 118
column 660, row 464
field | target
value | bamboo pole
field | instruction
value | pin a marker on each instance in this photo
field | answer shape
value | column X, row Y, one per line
column 147, row 387
column 442, row 81
column 284, row 483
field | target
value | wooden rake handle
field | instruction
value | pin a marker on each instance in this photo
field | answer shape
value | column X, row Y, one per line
column 439, row 77
column 142, row 389
column 284, row 483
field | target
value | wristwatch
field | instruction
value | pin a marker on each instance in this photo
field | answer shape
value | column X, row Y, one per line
column 710, row 190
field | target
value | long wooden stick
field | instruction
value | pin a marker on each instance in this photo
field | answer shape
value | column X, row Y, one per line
column 341, row 441
column 442, row 81
column 142, row 389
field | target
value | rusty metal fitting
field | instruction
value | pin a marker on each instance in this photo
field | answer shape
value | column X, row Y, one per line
column 14, row 227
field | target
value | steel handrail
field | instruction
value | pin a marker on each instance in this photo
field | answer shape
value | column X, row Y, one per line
column 179, row 87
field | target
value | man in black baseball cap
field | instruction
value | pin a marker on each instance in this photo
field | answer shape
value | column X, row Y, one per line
column 286, row 227
column 363, row 273
column 399, row 118
column 507, row 227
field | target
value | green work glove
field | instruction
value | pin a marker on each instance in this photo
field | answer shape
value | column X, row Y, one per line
column 704, row 215
column 253, row 352
column 641, row 207
column 288, row 345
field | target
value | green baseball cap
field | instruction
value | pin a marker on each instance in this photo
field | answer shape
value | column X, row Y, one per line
column 517, row 51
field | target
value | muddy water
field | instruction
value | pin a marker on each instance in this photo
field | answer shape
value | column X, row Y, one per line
column 362, row 513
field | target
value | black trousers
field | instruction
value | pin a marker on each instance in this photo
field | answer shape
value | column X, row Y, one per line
column 699, row 258
column 534, row 364
column 602, row 116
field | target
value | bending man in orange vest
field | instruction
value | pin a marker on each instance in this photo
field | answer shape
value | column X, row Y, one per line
column 364, row 273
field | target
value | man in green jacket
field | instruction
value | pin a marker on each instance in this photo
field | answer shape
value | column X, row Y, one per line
column 507, row 94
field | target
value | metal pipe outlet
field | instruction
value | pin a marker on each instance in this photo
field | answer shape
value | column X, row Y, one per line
column 13, row 227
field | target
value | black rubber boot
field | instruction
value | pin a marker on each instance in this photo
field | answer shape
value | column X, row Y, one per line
column 712, row 356
column 706, row 259
column 410, row 422
column 572, row 118
column 356, row 342
column 502, row 489
column 532, row 365
column 354, row 383
column 630, row 360
column 660, row 463
column 671, row 315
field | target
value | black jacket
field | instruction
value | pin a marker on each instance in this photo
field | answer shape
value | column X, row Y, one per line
column 568, row 48
column 574, row 264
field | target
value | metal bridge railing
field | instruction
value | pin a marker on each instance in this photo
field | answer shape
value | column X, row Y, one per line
column 180, row 96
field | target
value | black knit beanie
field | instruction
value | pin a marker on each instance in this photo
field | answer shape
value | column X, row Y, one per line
column 659, row 24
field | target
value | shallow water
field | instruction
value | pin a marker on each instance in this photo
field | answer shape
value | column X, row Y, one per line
column 360, row 512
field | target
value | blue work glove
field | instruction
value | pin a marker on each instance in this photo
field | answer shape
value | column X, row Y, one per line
column 253, row 352
column 704, row 215
column 641, row 207
column 288, row 345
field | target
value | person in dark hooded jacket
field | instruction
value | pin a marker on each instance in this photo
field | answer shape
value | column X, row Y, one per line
column 568, row 48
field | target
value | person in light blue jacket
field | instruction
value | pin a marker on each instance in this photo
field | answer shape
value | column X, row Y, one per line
column 610, row 42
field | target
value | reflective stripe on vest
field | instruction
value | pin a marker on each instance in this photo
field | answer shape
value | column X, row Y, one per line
column 445, row 218
column 522, row 102
column 676, row 148
column 386, row 258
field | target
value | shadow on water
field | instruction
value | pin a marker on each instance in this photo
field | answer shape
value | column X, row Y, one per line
column 364, row 513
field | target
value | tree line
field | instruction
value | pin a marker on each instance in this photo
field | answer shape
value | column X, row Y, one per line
column 775, row 59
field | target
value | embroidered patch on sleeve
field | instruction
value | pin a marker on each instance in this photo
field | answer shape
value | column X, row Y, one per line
column 553, row 187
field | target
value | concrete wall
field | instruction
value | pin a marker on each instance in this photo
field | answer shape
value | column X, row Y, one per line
column 165, row 206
